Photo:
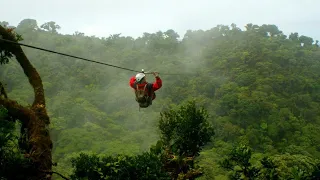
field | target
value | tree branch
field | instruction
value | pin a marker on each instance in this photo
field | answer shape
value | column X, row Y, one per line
column 53, row 172
column 2, row 91
column 16, row 110
column 28, row 69
column 35, row 119
column 193, row 174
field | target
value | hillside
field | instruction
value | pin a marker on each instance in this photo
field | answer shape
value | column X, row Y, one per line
column 260, row 87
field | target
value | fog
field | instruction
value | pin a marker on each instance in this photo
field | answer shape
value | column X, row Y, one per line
column 132, row 18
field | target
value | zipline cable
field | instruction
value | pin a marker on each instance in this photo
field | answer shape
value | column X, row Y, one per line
column 77, row 57
column 55, row 52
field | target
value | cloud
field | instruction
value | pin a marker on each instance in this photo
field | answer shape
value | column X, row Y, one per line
column 132, row 18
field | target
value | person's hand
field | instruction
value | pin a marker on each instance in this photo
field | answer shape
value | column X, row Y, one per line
column 156, row 74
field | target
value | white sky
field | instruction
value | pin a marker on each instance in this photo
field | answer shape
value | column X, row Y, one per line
column 132, row 18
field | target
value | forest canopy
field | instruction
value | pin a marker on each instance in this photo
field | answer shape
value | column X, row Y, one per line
column 246, row 104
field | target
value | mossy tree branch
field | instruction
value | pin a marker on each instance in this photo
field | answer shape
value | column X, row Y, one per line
column 34, row 119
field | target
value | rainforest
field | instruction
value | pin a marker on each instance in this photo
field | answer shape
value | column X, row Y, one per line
column 235, row 103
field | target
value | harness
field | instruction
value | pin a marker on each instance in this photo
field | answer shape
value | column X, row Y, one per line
column 142, row 96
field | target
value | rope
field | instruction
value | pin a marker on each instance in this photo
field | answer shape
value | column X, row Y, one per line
column 85, row 59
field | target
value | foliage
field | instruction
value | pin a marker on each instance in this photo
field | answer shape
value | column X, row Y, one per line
column 276, row 167
column 240, row 156
column 185, row 131
column 143, row 166
column 5, row 52
column 156, row 164
column 11, row 157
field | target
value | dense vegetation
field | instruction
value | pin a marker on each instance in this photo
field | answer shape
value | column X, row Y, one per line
column 260, row 89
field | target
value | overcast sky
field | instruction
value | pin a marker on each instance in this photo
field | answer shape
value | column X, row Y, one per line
column 133, row 17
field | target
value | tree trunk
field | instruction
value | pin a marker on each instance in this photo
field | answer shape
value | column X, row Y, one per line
column 34, row 119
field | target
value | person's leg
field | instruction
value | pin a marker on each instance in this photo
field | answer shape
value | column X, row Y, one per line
column 152, row 98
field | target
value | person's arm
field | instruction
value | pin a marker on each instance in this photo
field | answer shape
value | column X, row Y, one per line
column 157, row 84
column 132, row 82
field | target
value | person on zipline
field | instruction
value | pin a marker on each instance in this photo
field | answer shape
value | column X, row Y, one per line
column 144, row 91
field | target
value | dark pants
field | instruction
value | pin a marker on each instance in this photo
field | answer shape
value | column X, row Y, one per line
column 150, row 99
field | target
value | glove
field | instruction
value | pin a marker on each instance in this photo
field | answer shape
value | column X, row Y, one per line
column 156, row 74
